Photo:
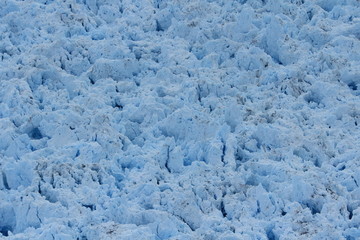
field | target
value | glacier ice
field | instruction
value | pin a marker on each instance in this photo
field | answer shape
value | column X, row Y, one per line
column 205, row 119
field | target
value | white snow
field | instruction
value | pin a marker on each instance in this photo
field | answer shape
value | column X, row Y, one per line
column 201, row 119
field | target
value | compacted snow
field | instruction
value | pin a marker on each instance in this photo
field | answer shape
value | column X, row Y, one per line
column 179, row 119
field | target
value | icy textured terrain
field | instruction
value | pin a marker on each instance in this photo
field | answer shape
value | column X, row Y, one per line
column 179, row 119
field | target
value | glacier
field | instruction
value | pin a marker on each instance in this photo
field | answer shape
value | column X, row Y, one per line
column 202, row 119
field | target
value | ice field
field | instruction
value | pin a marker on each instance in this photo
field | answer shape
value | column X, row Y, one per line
column 179, row 119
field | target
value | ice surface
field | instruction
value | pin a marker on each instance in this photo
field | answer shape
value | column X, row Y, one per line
column 202, row 119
